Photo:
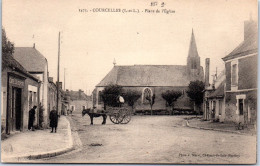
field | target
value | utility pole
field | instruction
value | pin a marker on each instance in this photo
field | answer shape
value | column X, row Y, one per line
column 64, row 78
column 58, row 74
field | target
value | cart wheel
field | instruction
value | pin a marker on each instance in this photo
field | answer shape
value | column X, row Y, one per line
column 126, row 116
column 115, row 118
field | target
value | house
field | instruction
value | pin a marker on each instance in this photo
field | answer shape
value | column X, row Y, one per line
column 79, row 100
column 155, row 79
column 20, row 92
column 214, row 99
column 241, row 78
column 37, row 65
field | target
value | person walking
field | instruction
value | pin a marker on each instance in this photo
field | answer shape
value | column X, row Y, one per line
column 53, row 120
column 31, row 118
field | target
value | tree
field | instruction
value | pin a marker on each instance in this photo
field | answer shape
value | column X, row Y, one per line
column 151, row 100
column 110, row 95
column 7, row 46
column 195, row 93
column 170, row 96
column 131, row 96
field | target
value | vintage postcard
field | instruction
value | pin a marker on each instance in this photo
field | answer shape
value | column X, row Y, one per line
column 129, row 82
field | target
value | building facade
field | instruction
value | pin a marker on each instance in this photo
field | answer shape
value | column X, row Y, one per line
column 20, row 92
column 78, row 100
column 241, row 78
column 37, row 65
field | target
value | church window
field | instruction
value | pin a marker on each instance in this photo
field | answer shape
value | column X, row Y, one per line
column 100, row 100
column 147, row 93
column 193, row 63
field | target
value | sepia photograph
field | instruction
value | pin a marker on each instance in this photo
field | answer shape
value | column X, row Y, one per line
column 129, row 81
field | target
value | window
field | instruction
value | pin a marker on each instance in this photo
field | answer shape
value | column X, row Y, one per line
column 234, row 75
column 147, row 93
column 241, row 106
column 84, row 107
column 220, row 107
column 100, row 100
column 30, row 99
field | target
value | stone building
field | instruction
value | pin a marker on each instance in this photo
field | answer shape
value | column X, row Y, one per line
column 78, row 100
column 37, row 65
column 241, row 78
column 155, row 79
column 20, row 92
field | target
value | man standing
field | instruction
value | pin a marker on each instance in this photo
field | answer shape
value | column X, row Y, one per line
column 53, row 120
column 31, row 118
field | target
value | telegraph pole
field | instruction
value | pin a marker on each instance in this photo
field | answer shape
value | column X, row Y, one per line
column 64, row 78
column 58, row 74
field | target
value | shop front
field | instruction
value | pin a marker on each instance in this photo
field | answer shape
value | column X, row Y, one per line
column 15, row 93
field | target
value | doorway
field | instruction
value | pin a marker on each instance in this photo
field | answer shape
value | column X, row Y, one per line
column 16, row 109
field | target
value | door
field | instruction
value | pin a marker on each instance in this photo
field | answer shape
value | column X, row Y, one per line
column 16, row 109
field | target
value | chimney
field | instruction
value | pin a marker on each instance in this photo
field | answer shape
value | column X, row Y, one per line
column 250, row 29
column 33, row 45
column 207, row 63
column 80, row 93
column 50, row 79
column 60, row 84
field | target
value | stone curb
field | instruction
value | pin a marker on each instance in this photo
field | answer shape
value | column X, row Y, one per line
column 54, row 153
column 220, row 130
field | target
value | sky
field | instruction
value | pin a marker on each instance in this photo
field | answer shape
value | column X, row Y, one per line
column 90, row 41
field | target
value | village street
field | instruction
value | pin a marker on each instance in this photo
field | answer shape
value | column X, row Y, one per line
column 154, row 139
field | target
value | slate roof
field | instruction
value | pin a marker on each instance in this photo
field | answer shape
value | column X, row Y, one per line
column 9, row 61
column 248, row 46
column 219, row 92
column 147, row 75
column 30, row 58
column 76, row 95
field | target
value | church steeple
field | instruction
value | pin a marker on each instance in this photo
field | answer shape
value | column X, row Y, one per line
column 193, row 52
column 193, row 60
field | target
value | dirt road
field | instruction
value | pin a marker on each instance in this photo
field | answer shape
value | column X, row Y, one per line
column 155, row 139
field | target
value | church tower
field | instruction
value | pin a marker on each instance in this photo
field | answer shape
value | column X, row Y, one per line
column 193, row 60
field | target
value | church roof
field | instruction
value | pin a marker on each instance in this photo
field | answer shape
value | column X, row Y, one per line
column 193, row 52
column 30, row 58
column 147, row 75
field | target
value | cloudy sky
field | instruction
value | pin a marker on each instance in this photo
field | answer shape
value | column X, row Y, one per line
column 91, row 40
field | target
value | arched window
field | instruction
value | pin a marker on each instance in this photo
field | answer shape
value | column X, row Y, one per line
column 147, row 93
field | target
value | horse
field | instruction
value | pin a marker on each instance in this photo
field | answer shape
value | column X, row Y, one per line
column 92, row 115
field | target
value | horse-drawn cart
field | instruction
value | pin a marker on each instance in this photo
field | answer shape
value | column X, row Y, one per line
column 117, row 115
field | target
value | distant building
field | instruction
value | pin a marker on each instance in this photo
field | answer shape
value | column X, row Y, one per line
column 241, row 78
column 79, row 100
column 155, row 79
column 214, row 99
column 52, row 97
column 20, row 92
column 37, row 65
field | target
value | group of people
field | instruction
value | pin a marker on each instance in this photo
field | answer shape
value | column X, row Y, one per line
column 53, row 119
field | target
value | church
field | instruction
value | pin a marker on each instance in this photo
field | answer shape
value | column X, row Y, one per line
column 155, row 79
